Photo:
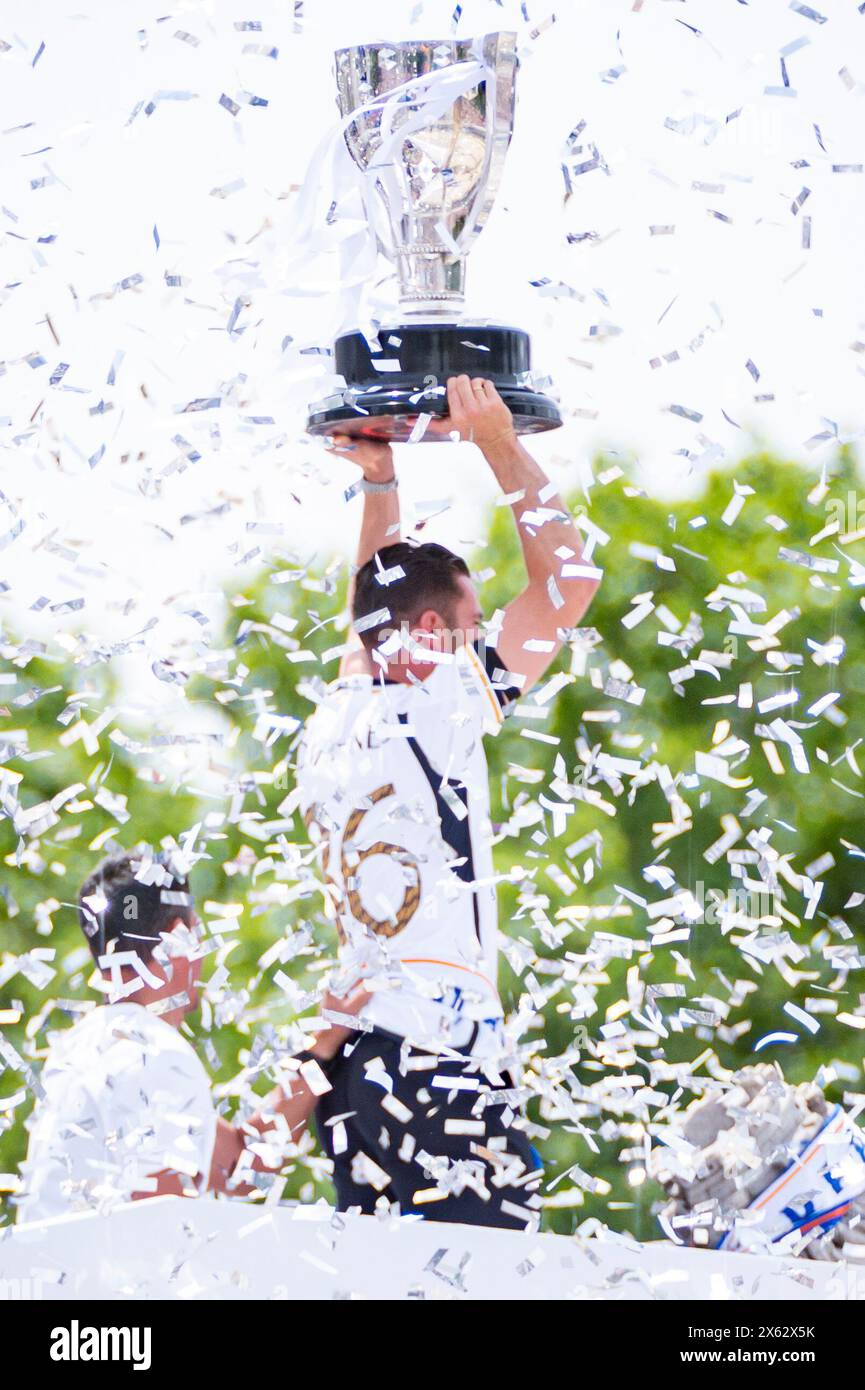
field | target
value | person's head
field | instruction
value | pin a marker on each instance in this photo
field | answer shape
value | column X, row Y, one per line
column 138, row 902
column 427, row 594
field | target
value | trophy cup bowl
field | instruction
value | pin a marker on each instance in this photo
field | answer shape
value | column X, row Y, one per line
column 431, row 170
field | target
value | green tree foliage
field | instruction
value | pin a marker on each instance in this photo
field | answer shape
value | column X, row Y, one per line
column 619, row 992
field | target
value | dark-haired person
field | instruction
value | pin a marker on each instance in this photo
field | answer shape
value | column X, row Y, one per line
column 126, row 1110
column 393, row 784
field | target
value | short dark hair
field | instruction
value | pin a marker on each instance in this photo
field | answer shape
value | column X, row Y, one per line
column 134, row 914
column 429, row 579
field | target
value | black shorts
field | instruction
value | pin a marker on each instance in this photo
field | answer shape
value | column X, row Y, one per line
column 445, row 1153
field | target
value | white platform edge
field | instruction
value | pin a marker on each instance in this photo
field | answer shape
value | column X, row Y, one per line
column 171, row 1248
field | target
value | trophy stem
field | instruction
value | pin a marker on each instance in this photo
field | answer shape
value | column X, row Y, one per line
column 429, row 274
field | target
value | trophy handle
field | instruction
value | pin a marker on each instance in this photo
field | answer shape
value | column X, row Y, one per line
column 499, row 52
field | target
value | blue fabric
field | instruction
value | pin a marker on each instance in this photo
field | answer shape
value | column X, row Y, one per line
column 376, row 1133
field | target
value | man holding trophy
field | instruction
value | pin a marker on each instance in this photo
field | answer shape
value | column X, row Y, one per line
column 394, row 788
column 423, row 1109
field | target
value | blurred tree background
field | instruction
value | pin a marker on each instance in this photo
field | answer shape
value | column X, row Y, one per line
column 606, row 802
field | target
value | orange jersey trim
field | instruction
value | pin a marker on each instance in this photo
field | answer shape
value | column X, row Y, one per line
column 451, row 965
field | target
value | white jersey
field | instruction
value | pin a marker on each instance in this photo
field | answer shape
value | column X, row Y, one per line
column 394, row 787
column 125, row 1097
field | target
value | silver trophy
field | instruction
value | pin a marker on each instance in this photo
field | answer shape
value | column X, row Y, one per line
column 428, row 124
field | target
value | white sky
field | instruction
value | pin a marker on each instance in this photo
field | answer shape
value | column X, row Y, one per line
column 740, row 290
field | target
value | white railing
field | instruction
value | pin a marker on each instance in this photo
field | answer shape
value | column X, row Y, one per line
column 169, row 1247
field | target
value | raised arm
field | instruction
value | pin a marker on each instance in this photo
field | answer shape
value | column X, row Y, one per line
column 554, row 597
column 380, row 524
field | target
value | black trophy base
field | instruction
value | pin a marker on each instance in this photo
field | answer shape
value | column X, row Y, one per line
column 388, row 389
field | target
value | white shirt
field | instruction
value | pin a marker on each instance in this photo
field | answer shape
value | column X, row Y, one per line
column 394, row 787
column 125, row 1097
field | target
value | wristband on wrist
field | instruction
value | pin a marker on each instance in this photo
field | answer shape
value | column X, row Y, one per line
column 366, row 486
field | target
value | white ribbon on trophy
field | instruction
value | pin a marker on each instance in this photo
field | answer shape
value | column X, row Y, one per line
column 354, row 221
